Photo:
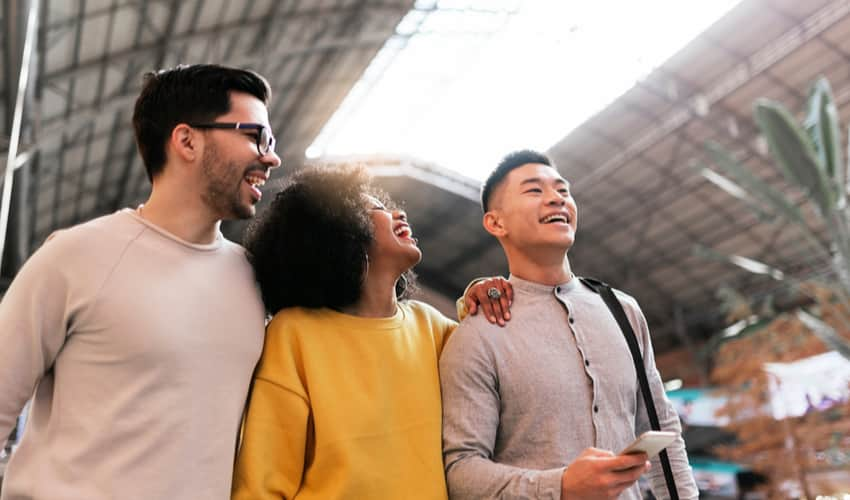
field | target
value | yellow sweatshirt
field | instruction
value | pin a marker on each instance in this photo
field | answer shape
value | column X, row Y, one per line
column 345, row 407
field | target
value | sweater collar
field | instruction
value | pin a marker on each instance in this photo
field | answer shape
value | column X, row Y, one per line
column 204, row 247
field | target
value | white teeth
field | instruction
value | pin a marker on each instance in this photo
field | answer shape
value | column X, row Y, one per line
column 555, row 217
column 255, row 181
column 403, row 231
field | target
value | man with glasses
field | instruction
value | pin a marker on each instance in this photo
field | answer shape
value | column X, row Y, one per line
column 139, row 331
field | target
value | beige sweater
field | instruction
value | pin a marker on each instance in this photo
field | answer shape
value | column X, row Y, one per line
column 140, row 348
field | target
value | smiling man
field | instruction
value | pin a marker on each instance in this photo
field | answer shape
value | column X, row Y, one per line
column 537, row 408
column 136, row 334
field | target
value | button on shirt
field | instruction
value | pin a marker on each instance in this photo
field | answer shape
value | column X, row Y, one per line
column 522, row 402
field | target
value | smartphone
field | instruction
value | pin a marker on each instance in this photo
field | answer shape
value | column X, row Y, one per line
column 651, row 443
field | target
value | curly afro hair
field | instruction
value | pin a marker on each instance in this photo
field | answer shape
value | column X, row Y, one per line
column 309, row 247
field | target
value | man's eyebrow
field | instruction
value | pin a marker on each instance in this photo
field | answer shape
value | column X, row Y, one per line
column 537, row 180
column 531, row 180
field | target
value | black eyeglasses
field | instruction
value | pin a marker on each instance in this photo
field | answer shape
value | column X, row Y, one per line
column 265, row 139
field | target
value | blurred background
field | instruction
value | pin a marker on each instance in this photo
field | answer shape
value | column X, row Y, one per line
column 705, row 141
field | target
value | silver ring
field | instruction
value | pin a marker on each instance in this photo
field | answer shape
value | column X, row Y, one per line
column 494, row 293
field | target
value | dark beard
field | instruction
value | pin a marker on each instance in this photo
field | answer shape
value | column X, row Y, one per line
column 222, row 196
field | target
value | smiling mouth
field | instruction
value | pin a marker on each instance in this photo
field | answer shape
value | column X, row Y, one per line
column 255, row 181
column 403, row 232
column 549, row 219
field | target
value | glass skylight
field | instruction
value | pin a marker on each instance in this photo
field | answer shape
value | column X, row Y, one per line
column 464, row 82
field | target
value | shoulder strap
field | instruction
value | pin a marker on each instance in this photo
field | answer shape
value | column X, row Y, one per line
column 616, row 308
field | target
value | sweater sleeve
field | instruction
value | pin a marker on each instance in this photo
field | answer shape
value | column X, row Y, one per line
column 460, row 304
column 445, row 328
column 270, row 463
column 470, row 392
column 34, row 321
column 668, row 419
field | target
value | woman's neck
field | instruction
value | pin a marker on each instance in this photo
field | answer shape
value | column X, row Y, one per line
column 377, row 298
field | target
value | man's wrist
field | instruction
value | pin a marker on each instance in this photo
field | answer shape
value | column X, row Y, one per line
column 552, row 484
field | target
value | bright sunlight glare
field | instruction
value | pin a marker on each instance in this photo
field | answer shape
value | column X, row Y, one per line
column 464, row 82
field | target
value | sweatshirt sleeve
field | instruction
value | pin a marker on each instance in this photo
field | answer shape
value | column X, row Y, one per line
column 444, row 328
column 270, row 463
column 460, row 304
column 34, row 322
column 470, row 392
column 668, row 419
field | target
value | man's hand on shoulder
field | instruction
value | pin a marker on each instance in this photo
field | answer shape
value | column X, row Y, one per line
column 599, row 474
column 493, row 296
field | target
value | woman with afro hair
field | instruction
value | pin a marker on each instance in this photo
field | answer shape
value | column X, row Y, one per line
column 346, row 397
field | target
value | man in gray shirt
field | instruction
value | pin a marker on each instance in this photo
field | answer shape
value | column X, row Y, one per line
column 538, row 408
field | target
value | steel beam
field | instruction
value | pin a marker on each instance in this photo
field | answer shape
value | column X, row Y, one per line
column 20, row 47
column 218, row 31
column 756, row 64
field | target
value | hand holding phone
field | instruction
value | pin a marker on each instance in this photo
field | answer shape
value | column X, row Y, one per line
column 651, row 443
column 597, row 473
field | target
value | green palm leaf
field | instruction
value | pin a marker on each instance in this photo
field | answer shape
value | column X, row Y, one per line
column 774, row 199
column 823, row 127
column 794, row 153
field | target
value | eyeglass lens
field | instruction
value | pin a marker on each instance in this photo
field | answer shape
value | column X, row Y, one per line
column 266, row 141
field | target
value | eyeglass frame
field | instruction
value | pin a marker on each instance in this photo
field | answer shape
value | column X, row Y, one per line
column 242, row 126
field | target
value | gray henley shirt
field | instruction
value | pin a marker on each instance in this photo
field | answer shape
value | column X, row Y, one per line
column 521, row 402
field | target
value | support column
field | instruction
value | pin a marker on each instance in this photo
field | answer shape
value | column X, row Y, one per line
column 21, row 21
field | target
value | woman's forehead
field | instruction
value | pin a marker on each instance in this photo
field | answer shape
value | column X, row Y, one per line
column 373, row 200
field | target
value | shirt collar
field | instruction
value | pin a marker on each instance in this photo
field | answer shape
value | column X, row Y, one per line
column 533, row 288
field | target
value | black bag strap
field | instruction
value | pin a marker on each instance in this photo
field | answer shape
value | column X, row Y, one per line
column 616, row 308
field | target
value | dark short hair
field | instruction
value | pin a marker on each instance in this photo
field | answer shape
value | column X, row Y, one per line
column 510, row 162
column 186, row 94
column 309, row 247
